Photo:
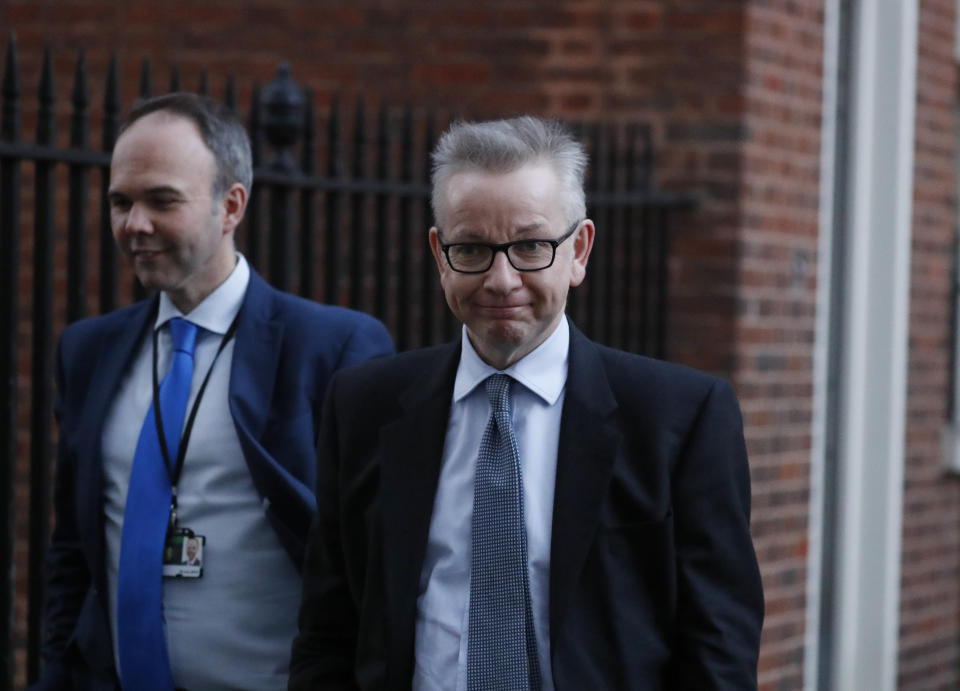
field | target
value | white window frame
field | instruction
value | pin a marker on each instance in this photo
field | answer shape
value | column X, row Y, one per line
column 861, row 351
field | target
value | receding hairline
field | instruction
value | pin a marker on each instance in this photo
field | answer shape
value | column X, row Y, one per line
column 166, row 115
column 504, row 167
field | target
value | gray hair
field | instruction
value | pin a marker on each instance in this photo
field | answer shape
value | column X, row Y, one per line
column 502, row 146
column 220, row 128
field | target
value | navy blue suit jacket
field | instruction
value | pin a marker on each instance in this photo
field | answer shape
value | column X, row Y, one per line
column 654, row 582
column 286, row 350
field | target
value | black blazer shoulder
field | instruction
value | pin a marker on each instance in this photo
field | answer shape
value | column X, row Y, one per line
column 630, row 374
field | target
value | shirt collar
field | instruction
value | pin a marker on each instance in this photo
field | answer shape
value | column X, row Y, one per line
column 217, row 311
column 543, row 371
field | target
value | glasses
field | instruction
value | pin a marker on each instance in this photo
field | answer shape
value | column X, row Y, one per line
column 523, row 255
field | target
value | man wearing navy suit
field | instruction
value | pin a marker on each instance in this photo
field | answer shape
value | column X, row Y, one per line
column 524, row 508
column 241, row 476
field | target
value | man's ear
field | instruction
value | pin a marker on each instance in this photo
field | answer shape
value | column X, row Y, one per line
column 582, row 244
column 437, row 252
column 234, row 204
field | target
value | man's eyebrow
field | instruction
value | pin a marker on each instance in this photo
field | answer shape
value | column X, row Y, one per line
column 472, row 235
column 464, row 236
column 535, row 227
column 164, row 190
column 157, row 191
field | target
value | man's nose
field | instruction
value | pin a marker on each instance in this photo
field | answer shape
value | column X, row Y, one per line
column 501, row 276
column 135, row 219
column 138, row 219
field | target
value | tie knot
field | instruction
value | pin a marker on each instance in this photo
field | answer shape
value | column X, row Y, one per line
column 498, row 392
column 184, row 335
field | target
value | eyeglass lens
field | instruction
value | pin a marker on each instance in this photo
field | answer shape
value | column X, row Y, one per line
column 530, row 255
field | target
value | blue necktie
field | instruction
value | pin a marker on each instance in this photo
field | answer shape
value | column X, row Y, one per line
column 501, row 645
column 142, row 645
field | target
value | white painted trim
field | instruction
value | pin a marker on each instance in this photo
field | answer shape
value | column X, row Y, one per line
column 908, row 24
column 956, row 30
column 950, row 433
column 821, row 355
column 875, row 339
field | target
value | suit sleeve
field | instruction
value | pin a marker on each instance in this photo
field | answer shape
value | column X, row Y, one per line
column 720, row 597
column 67, row 578
column 368, row 340
column 324, row 649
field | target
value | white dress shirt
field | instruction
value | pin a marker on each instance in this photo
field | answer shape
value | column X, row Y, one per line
column 443, row 602
column 233, row 627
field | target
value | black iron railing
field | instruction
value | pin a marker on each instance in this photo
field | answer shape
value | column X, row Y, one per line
column 353, row 234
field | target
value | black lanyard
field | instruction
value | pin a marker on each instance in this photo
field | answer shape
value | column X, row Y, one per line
column 174, row 472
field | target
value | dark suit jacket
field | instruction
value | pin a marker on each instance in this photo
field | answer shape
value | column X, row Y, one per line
column 286, row 350
column 653, row 580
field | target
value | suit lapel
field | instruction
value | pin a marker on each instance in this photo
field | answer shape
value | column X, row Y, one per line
column 119, row 343
column 589, row 438
column 256, row 354
column 413, row 450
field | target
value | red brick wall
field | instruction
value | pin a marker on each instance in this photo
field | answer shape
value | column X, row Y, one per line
column 930, row 583
column 731, row 88
column 776, row 295
column 677, row 65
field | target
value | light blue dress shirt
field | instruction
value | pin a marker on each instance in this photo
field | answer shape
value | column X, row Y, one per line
column 233, row 627
column 443, row 602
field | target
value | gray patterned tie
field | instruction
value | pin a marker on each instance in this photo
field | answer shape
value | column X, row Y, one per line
column 502, row 645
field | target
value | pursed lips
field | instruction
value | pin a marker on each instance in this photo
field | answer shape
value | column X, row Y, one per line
column 501, row 309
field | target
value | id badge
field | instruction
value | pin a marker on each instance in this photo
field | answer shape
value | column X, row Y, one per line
column 183, row 554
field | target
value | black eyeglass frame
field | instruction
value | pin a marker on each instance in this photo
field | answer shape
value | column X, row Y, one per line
column 503, row 247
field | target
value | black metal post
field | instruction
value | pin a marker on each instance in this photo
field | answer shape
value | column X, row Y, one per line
column 428, row 271
column 331, row 290
column 252, row 245
column 404, row 272
column 279, row 231
column 41, row 409
column 610, row 246
column 643, row 335
column 308, row 214
column 146, row 79
column 595, row 311
column 146, row 91
column 9, row 289
column 108, row 251
column 629, row 224
column 357, row 208
column 382, row 229
column 230, row 93
column 647, row 282
column 77, row 232
column 659, row 348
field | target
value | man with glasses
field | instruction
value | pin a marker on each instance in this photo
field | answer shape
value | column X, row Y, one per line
column 524, row 508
